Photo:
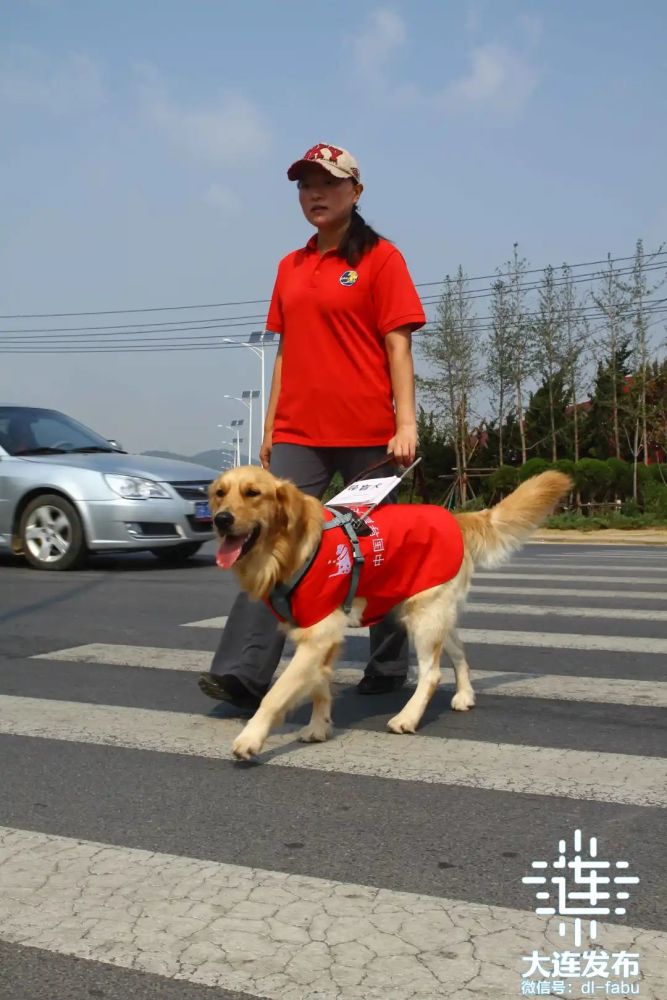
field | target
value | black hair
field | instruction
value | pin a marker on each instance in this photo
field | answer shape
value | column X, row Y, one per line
column 359, row 238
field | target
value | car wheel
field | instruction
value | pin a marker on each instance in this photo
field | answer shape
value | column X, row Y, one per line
column 175, row 554
column 51, row 534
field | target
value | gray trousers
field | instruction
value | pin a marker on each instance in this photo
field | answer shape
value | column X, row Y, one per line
column 251, row 644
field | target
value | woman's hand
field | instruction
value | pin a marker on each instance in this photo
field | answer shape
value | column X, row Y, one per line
column 265, row 450
column 403, row 445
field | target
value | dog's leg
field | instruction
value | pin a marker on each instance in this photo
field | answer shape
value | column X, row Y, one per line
column 295, row 685
column 319, row 728
column 426, row 622
column 464, row 698
column 305, row 676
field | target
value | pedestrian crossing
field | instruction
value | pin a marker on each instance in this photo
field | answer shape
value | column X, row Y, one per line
column 128, row 836
column 531, row 685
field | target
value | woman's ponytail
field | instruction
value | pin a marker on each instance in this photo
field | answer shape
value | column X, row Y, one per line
column 358, row 240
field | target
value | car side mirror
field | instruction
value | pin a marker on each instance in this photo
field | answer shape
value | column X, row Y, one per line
column 115, row 444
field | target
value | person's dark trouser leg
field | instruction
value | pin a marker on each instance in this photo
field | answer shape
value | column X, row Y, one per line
column 251, row 643
column 390, row 648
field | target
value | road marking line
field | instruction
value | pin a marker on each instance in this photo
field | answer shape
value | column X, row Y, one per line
column 504, row 637
column 526, row 684
column 531, row 770
column 273, row 934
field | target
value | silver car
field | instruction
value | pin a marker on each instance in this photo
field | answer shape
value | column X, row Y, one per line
column 65, row 491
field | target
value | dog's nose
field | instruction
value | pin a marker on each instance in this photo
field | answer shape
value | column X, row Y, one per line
column 223, row 520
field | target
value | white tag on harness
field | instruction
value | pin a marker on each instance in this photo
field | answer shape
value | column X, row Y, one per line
column 366, row 492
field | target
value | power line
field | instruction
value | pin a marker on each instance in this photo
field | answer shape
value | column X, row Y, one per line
column 235, row 322
column 245, row 302
column 207, row 342
column 588, row 312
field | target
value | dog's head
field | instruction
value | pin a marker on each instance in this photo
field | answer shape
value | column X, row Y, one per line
column 263, row 524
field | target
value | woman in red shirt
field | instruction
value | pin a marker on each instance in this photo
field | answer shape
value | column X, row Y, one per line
column 342, row 396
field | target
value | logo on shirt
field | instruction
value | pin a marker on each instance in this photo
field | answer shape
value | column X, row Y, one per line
column 348, row 278
column 343, row 561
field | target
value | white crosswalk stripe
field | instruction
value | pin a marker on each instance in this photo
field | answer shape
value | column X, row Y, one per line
column 643, row 566
column 608, row 690
column 285, row 937
column 573, row 774
column 557, row 577
column 547, row 610
column 625, row 595
column 276, row 934
column 504, row 637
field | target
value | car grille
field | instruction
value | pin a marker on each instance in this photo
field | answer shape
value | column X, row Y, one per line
column 197, row 490
column 199, row 527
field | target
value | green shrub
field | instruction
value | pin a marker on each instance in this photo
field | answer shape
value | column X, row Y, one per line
column 503, row 480
column 565, row 465
column 630, row 508
column 655, row 498
column 621, row 477
column 533, row 467
column 597, row 522
column 592, row 478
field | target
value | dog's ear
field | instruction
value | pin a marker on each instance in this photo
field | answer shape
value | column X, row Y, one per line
column 290, row 505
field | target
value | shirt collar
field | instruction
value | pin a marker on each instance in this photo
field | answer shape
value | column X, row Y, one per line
column 311, row 247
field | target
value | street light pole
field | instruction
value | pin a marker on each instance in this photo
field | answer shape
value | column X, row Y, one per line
column 250, row 394
column 257, row 337
column 235, row 426
column 236, row 445
column 261, row 337
column 246, row 399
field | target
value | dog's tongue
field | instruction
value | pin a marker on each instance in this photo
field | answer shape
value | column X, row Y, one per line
column 229, row 552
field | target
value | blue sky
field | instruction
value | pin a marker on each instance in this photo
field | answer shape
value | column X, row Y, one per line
column 145, row 148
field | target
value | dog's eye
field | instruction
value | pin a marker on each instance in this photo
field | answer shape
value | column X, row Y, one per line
column 220, row 493
column 250, row 492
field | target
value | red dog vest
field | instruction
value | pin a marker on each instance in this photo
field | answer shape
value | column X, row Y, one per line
column 410, row 549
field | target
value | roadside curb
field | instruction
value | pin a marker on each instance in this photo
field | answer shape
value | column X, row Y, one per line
column 603, row 536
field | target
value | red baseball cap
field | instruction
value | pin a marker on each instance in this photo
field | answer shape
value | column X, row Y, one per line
column 336, row 160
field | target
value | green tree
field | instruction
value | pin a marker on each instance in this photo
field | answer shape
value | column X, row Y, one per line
column 613, row 301
column 609, row 407
column 498, row 373
column 545, row 417
column 437, row 452
column 452, row 352
column 550, row 353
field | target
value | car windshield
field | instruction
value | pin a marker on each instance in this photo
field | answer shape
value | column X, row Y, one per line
column 26, row 430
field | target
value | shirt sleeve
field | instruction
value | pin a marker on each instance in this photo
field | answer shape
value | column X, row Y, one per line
column 274, row 319
column 395, row 296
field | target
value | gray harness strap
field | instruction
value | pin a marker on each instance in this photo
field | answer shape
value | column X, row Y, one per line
column 354, row 528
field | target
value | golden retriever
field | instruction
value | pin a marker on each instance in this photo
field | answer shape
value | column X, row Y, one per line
column 268, row 529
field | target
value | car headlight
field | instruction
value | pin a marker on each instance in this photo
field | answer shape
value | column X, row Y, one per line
column 133, row 488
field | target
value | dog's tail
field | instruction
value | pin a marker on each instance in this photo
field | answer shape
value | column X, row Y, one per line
column 490, row 536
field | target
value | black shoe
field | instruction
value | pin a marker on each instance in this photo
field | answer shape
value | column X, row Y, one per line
column 231, row 690
column 380, row 684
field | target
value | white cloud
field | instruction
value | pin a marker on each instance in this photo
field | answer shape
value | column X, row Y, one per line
column 499, row 79
column 227, row 132
column 67, row 87
column 382, row 36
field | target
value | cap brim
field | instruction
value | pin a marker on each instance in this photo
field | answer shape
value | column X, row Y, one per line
column 295, row 171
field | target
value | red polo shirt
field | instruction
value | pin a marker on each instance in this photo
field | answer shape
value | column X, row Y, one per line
column 336, row 387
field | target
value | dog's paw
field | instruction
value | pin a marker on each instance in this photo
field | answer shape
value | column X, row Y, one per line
column 399, row 725
column 315, row 733
column 463, row 700
column 247, row 745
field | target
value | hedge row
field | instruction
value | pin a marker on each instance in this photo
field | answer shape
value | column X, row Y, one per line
column 595, row 481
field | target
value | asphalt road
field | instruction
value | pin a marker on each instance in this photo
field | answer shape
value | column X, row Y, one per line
column 138, row 859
